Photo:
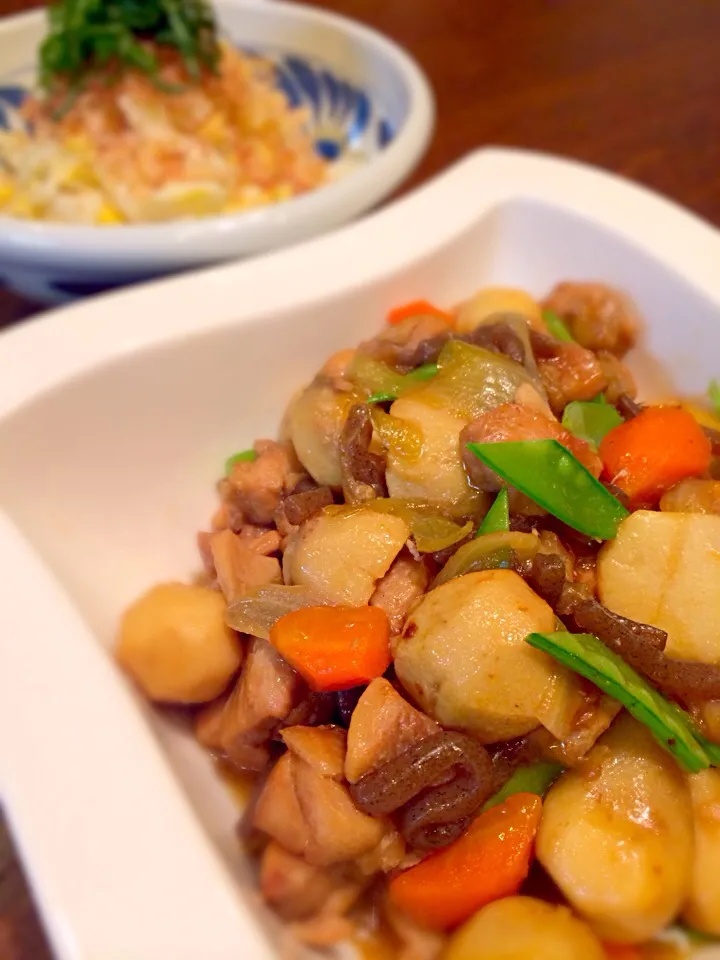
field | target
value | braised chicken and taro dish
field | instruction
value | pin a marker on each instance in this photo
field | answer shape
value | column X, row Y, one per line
column 459, row 622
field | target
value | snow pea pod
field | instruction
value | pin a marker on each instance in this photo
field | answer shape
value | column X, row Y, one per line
column 497, row 519
column 588, row 656
column 549, row 474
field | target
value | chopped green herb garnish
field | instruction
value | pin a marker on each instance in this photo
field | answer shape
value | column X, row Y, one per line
column 497, row 519
column 403, row 382
column 590, row 420
column 556, row 326
column 714, row 395
column 551, row 476
column 245, row 456
column 672, row 727
column 534, row 778
column 87, row 35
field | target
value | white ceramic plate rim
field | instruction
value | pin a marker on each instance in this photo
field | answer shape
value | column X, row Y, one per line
column 180, row 240
column 155, row 826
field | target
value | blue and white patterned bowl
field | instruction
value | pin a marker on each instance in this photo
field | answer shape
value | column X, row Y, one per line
column 371, row 115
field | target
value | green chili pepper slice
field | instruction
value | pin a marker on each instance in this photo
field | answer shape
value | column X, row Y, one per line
column 591, row 420
column 245, row 456
column 672, row 727
column 556, row 327
column 714, row 395
column 534, row 778
column 497, row 519
column 403, row 382
column 551, row 476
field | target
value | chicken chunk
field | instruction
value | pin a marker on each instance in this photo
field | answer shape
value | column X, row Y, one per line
column 599, row 317
column 568, row 372
column 259, row 486
column 264, row 696
column 383, row 724
column 404, row 583
column 514, row 421
column 239, row 566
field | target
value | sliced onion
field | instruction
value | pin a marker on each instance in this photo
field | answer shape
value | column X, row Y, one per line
column 488, row 552
column 259, row 609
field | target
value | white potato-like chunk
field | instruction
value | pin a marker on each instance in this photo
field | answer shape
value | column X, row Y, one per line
column 175, row 643
column 702, row 909
column 616, row 835
column 490, row 300
column 437, row 476
column 314, row 422
column 342, row 553
column 523, row 928
column 664, row 569
column 463, row 658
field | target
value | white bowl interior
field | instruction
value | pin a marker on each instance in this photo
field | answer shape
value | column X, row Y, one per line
column 111, row 475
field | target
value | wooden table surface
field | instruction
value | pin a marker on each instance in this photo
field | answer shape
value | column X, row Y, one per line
column 631, row 85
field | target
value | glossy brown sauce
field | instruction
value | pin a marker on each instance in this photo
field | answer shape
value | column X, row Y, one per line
column 378, row 945
column 239, row 785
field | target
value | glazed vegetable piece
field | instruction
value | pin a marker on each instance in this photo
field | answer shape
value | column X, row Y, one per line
column 523, row 928
column 535, row 778
column 431, row 530
column 488, row 862
column 589, row 657
column 258, row 609
column 463, row 658
column 489, row 551
column 383, row 382
column 493, row 300
column 497, row 519
column 647, row 455
column 549, row 474
column 315, row 420
column 617, row 836
column 334, row 648
column 472, row 380
column 437, row 477
column 342, row 552
column 174, row 642
column 714, row 395
column 417, row 308
column 590, row 421
column 692, row 496
column 702, row 908
column 662, row 569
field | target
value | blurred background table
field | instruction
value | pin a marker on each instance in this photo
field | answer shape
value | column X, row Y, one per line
column 631, row 85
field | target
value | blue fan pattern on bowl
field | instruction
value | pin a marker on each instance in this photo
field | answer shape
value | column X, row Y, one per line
column 342, row 119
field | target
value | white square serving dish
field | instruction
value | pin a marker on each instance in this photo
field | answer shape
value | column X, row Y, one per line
column 115, row 417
